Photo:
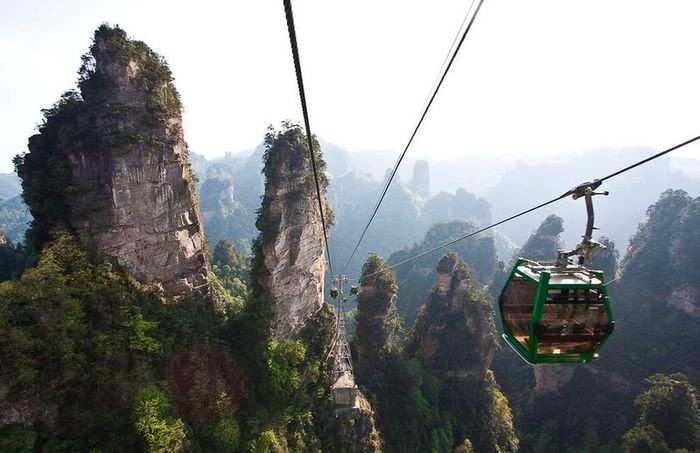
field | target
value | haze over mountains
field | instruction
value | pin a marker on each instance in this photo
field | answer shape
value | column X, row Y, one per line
column 507, row 184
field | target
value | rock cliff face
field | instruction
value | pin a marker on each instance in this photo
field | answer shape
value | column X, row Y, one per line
column 110, row 163
column 544, row 242
column 290, row 262
column 416, row 281
column 378, row 320
column 663, row 255
column 454, row 340
column 550, row 378
column 420, row 184
column 455, row 334
column 356, row 429
column 658, row 294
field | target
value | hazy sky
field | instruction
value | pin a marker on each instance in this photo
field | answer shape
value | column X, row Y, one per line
column 533, row 76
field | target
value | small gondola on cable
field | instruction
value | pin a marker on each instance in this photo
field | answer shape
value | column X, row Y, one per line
column 559, row 312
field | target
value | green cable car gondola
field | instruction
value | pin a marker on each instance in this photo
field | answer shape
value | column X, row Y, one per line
column 558, row 312
column 555, row 315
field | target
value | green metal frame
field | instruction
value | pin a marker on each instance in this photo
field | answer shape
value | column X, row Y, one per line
column 530, row 354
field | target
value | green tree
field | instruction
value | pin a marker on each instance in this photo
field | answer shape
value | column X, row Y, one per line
column 669, row 414
column 645, row 439
column 16, row 438
column 154, row 421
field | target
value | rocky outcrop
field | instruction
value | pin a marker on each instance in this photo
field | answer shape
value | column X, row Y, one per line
column 356, row 429
column 290, row 263
column 455, row 333
column 686, row 299
column 224, row 216
column 420, row 184
column 544, row 242
column 416, row 281
column 551, row 378
column 378, row 320
column 658, row 293
column 115, row 170
column 216, row 194
column 26, row 412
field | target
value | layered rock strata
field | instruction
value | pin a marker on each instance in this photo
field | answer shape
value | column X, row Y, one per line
column 115, row 165
column 292, row 258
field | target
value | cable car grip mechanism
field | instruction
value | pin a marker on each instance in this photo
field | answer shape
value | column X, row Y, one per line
column 583, row 249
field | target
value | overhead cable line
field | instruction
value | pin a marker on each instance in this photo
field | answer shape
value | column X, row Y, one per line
column 302, row 96
column 449, row 52
column 527, row 211
column 642, row 162
column 415, row 131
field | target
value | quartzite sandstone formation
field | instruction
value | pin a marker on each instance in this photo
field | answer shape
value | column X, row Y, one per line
column 544, row 242
column 378, row 320
column 454, row 335
column 111, row 165
column 420, row 184
column 454, row 339
column 356, row 429
column 551, row 378
column 292, row 254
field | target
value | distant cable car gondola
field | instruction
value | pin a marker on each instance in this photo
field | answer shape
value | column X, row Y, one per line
column 558, row 312
column 334, row 292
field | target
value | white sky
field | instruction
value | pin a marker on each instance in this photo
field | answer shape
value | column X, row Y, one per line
column 533, row 77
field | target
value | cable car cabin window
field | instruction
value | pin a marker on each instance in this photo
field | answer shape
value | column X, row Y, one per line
column 516, row 308
column 573, row 321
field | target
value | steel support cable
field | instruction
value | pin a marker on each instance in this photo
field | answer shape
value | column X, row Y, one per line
column 302, row 96
column 413, row 135
column 650, row 158
column 527, row 211
column 449, row 52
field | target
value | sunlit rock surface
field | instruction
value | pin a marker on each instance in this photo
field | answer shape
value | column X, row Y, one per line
column 126, row 188
column 291, row 233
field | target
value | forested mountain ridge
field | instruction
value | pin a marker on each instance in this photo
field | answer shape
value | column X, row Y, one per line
column 434, row 391
column 416, row 279
column 230, row 189
column 96, row 356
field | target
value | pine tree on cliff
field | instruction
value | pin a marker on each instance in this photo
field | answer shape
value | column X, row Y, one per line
column 669, row 417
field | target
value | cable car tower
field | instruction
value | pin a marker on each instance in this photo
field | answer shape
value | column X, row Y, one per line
column 344, row 388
